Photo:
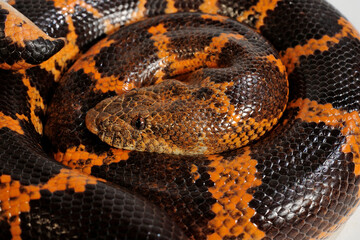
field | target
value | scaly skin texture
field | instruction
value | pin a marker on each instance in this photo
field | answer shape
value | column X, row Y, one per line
column 300, row 180
column 231, row 92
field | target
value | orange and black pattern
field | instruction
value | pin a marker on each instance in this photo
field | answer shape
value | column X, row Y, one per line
column 299, row 180
column 223, row 66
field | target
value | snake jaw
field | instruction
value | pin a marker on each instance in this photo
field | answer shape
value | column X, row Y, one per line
column 90, row 119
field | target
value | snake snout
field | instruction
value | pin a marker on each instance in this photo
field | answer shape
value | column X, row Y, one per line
column 97, row 117
column 109, row 122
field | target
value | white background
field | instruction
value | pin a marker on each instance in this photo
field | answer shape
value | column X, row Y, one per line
column 351, row 10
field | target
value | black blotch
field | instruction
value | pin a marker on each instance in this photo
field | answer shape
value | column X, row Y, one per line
column 304, row 21
column 39, row 50
column 5, row 230
column 332, row 76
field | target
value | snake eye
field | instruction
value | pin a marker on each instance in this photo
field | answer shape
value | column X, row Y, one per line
column 139, row 123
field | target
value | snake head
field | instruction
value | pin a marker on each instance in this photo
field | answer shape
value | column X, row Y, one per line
column 176, row 118
column 122, row 121
column 148, row 119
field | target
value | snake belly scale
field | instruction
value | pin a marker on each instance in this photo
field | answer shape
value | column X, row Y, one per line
column 72, row 68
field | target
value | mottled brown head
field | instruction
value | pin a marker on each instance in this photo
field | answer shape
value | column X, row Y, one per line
column 176, row 118
column 149, row 119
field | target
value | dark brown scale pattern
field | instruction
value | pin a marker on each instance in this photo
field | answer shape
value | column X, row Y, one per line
column 114, row 214
column 13, row 91
column 155, row 7
column 336, row 76
column 114, row 53
column 73, row 125
column 307, row 22
column 191, row 201
column 304, row 182
column 39, row 77
column 39, row 11
column 307, row 183
column 92, row 31
column 187, row 6
column 199, row 41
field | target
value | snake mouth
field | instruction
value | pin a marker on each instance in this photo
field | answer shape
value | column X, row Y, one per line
column 90, row 121
column 97, row 122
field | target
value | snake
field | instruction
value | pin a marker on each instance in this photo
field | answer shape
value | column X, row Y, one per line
column 177, row 119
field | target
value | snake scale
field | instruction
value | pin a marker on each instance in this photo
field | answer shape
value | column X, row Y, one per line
column 177, row 119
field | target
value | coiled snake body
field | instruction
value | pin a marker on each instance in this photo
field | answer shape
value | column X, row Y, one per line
column 221, row 133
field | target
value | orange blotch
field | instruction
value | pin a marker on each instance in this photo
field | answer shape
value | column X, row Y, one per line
column 291, row 56
column 348, row 123
column 220, row 41
column 194, row 172
column 200, row 57
column 68, row 179
column 10, row 123
column 209, row 6
column 110, row 27
column 14, row 199
column 5, row 179
column 140, row 11
column 259, row 11
column 161, row 42
column 159, row 29
column 22, row 117
column 250, row 131
column 16, row 66
column 106, row 84
column 170, row 7
column 10, row 208
column 277, row 63
column 214, row 17
column 233, row 214
column 80, row 159
column 11, row 2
